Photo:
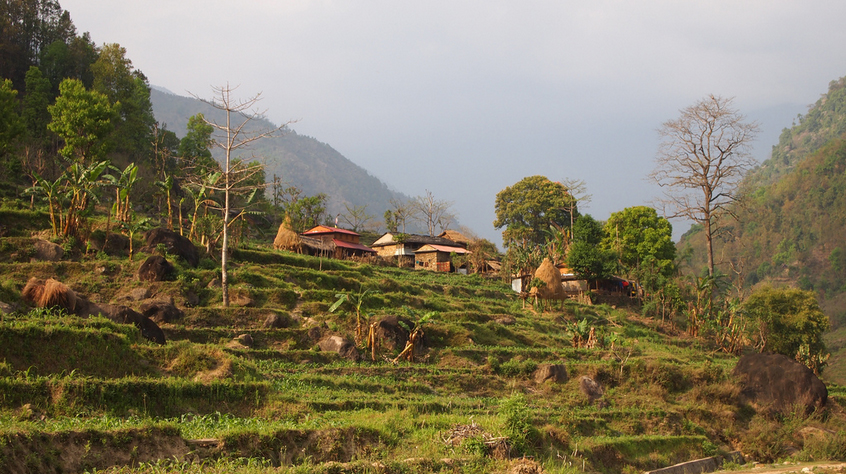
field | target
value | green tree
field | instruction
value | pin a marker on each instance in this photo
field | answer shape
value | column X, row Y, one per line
column 83, row 120
column 642, row 241
column 37, row 99
column 129, row 93
column 531, row 206
column 195, row 147
column 788, row 321
column 586, row 257
column 11, row 123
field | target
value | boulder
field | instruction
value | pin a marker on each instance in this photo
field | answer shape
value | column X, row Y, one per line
column 47, row 251
column 343, row 347
column 276, row 321
column 162, row 311
column 191, row 299
column 777, row 383
column 390, row 333
column 124, row 315
column 241, row 298
column 590, row 388
column 555, row 373
column 155, row 268
column 116, row 245
column 6, row 308
column 174, row 243
column 245, row 340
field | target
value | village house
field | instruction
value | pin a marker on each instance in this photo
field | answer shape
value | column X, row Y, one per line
column 437, row 257
column 406, row 246
column 342, row 243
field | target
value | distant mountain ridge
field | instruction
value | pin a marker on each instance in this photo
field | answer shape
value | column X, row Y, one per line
column 299, row 160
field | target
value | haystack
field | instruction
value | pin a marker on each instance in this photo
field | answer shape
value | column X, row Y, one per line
column 49, row 294
column 551, row 277
column 33, row 291
column 286, row 239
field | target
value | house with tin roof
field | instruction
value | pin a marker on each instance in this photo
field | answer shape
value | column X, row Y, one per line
column 343, row 243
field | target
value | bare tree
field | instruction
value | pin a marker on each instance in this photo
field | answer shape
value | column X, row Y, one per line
column 356, row 216
column 238, row 175
column 400, row 213
column 703, row 156
column 433, row 212
column 578, row 190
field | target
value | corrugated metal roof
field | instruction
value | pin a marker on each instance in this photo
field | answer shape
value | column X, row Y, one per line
column 322, row 229
column 441, row 248
column 350, row 245
column 387, row 239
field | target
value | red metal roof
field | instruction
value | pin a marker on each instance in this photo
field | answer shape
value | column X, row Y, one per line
column 350, row 245
column 322, row 229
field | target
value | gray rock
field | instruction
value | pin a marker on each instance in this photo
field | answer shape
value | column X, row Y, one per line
column 47, row 251
column 590, row 388
column 343, row 347
column 155, row 268
column 777, row 383
column 276, row 321
column 555, row 373
column 163, row 311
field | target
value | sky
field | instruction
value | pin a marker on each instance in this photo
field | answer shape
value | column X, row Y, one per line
column 465, row 98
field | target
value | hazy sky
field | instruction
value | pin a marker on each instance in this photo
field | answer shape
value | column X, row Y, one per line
column 464, row 98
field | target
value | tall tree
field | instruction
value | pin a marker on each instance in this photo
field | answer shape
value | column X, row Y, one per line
column 195, row 147
column 530, row 207
column 586, row 256
column 232, row 137
column 702, row 158
column 11, row 123
column 129, row 93
column 638, row 235
column 82, row 119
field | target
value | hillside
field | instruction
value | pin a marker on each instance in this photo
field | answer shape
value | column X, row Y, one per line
column 305, row 162
column 252, row 388
column 790, row 229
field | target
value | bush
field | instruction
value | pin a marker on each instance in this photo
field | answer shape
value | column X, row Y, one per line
column 517, row 423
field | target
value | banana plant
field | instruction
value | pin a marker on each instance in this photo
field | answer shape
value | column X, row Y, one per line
column 51, row 191
column 415, row 333
column 357, row 301
column 166, row 185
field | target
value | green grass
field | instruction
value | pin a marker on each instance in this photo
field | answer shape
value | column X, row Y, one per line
column 281, row 405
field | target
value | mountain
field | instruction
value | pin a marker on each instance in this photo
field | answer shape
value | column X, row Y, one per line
column 298, row 160
column 791, row 229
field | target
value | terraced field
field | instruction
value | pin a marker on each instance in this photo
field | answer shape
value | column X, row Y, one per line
column 228, row 393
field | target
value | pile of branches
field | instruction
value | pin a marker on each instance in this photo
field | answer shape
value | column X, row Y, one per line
column 497, row 445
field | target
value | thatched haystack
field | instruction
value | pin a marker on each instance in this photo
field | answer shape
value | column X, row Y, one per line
column 286, row 239
column 49, row 294
column 551, row 277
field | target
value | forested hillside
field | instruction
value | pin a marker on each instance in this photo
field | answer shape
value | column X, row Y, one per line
column 790, row 229
column 298, row 160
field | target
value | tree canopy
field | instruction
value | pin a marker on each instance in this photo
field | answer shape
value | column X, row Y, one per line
column 530, row 207
column 789, row 321
column 639, row 236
